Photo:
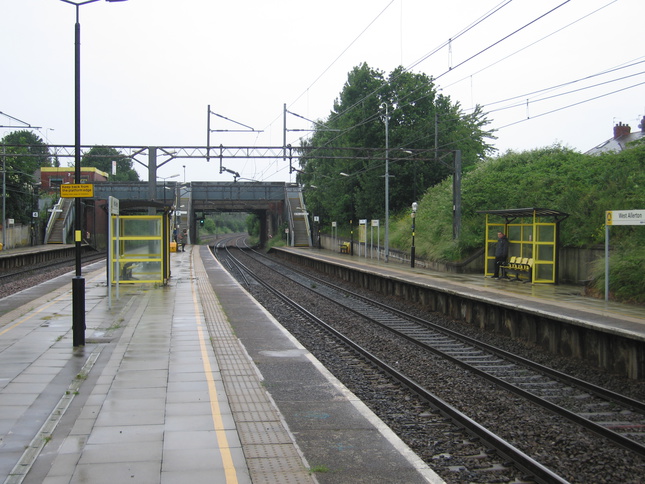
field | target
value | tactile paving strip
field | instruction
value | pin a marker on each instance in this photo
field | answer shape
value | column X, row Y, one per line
column 271, row 454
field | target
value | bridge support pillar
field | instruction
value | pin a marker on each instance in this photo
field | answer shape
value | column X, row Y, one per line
column 264, row 233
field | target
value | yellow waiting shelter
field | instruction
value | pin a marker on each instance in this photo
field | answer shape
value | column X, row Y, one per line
column 533, row 234
column 140, row 247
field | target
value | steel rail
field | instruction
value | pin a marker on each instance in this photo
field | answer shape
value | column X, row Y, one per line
column 521, row 460
column 599, row 392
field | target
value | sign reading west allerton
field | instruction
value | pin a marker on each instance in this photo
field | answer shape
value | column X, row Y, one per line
column 625, row 217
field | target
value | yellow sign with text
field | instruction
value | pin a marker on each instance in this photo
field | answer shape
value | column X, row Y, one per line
column 77, row 190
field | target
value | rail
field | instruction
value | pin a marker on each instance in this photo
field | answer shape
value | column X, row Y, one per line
column 539, row 472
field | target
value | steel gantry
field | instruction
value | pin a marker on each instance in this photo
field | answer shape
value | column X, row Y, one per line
column 158, row 156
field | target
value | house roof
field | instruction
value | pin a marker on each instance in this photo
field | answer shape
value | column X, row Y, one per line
column 616, row 144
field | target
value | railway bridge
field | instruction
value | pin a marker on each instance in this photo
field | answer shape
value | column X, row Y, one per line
column 275, row 203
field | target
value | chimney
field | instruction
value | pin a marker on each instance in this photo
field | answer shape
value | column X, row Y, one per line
column 621, row 130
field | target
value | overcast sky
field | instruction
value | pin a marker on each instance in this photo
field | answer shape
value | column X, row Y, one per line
column 150, row 68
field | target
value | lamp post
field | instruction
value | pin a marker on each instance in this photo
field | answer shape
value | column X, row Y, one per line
column 387, row 184
column 4, row 198
column 164, row 178
column 415, row 205
column 456, row 196
column 78, row 283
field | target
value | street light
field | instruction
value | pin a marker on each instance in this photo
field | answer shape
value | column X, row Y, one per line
column 387, row 184
column 351, row 224
column 78, row 283
column 4, row 198
column 164, row 178
column 415, row 205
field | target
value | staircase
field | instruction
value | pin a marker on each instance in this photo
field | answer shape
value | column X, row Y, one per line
column 60, row 222
column 298, row 220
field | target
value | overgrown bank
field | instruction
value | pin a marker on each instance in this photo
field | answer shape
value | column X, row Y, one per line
column 557, row 178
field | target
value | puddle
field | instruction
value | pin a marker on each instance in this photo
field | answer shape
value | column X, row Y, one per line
column 284, row 353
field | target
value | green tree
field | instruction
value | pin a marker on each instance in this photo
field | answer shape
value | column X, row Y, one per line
column 23, row 154
column 253, row 224
column 102, row 157
column 423, row 125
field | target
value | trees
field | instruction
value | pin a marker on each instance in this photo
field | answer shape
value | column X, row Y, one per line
column 24, row 153
column 423, row 126
column 102, row 157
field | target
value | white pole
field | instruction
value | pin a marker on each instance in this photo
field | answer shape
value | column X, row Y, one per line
column 109, row 256
column 387, row 184
column 606, row 258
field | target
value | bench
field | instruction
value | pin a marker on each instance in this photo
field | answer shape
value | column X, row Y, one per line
column 518, row 265
column 344, row 248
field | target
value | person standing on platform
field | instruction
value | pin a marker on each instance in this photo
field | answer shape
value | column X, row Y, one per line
column 501, row 252
column 183, row 237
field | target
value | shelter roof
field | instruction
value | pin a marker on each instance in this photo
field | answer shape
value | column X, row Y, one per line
column 130, row 207
column 512, row 213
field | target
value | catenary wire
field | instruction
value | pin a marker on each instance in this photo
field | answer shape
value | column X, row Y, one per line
column 458, row 65
column 567, row 92
column 530, row 45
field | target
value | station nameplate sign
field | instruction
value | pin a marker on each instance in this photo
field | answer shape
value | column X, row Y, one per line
column 625, row 217
column 77, row 190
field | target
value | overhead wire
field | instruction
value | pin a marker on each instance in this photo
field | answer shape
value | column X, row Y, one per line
column 343, row 52
column 503, row 38
column 554, row 87
column 632, row 63
column 572, row 105
column 530, row 45
column 472, row 25
column 337, row 58
column 506, row 37
column 459, row 34
column 488, row 14
column 568, row 92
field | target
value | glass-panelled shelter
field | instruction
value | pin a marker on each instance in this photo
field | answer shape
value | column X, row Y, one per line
column 533, row 234
column 140, row 249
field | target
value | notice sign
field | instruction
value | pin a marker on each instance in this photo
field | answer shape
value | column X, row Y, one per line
column 625, row 217
column 77, row 190
column 113, row 203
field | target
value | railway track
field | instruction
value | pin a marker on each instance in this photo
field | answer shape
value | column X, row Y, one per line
column 609, row 415
column 495, row 456
column 606, row 413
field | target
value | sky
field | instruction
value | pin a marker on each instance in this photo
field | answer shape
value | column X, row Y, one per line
column 151, row 68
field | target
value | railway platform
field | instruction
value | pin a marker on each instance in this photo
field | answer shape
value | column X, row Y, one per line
column 558, row 318
column 567, row 299
column 11, row 259
column 188, row 382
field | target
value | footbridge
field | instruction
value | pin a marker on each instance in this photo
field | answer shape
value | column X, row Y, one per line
column 277, row 204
